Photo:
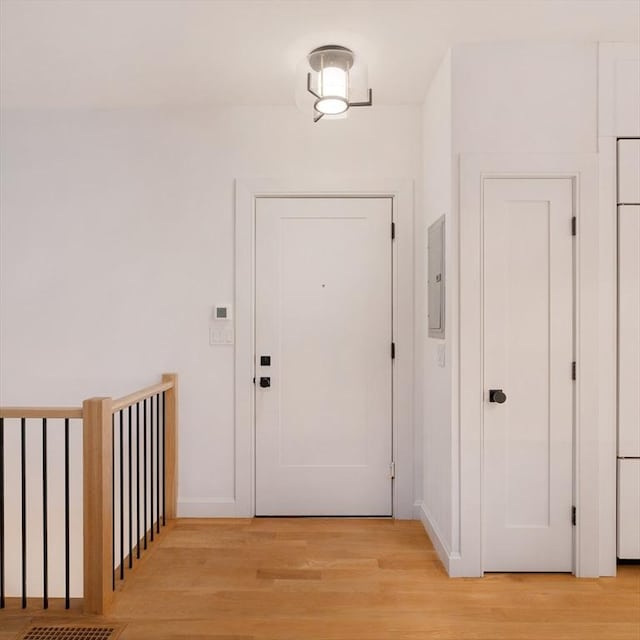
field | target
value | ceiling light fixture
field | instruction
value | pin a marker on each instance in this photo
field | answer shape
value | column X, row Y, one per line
column 329, row 83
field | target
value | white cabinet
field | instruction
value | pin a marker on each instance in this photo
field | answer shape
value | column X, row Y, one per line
column 629, row 171
column 629, row 508
column 629, row 331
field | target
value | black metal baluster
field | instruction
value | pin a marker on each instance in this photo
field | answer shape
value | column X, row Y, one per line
column 158, row 462
column 1, row 513
column 130, row 497
column 164, row 462
column 113, row 501
column 151, row 463
column 23, row 461
column 144, row 467
column 66, row 514
column 121, row 498
column 45, row 524
column 138, row 479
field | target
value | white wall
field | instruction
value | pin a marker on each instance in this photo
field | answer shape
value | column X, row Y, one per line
column 518, row 98
column 433, row 381
column 525, row 97
column 504, row 98
column 117, row 239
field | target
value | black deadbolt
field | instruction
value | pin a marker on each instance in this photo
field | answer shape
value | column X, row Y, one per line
column 265, row 382
column 265, row 361
column 497, row 395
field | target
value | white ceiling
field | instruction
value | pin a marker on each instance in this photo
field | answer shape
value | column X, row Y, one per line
column 133, row 53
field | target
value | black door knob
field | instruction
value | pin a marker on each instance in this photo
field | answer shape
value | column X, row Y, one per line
column 265, row 382
column 497, row 395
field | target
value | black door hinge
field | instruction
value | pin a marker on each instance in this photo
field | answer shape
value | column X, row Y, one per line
column 254, row 380
column 574, row 226
column 393, row 350
column 573, row 370
column 393, row 230
column 573, row 516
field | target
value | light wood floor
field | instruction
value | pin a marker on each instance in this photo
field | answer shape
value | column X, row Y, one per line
column 296, row 579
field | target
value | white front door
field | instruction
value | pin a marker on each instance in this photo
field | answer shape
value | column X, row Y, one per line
column 323, row 341
column 528, row 387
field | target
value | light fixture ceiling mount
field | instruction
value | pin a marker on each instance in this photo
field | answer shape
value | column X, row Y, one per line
column 329, row 81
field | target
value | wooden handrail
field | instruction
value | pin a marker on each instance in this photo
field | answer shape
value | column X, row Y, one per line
column 41, row 412
column 137, row 396
column 76, row 412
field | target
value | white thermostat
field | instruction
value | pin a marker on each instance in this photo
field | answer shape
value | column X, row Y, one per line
column 221, row 331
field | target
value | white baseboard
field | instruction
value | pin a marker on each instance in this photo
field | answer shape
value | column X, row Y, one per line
column 210, row 508
column 445, row 556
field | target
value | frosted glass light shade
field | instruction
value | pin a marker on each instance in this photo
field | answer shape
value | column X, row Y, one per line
column 333, row 81
column 333, row 75
column 333, row 88
column 331, row 106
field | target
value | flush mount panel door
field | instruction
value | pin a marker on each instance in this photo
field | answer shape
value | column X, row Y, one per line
column 629, row 331
column 629, row 171
column 528, row 395
column 629, row 508
column 324, row 316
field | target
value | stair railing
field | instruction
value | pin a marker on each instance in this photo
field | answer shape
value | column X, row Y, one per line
column 129, row 480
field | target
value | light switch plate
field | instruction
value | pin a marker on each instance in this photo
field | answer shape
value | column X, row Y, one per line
column 221, row 335
column 441, row 350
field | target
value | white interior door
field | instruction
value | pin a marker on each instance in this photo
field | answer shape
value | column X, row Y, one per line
column 324, row 320
column 528, row 354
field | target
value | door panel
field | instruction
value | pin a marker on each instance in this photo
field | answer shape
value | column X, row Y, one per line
column 629, row 171
column 629, row 508
column 323, row 314
column 528, row 347
column 629, row 331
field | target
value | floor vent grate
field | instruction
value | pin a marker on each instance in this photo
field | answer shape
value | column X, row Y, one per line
column 72, row 633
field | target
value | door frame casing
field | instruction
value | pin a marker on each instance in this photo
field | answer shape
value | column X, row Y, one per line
column 246, row 193
column 582, row 170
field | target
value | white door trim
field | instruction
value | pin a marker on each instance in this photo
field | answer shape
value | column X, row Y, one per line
column 243, row 503
column 608, row 355
column 610, row 55
column 582, row 169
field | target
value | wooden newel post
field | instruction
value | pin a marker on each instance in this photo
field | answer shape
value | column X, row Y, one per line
column 171, row 444
column 98, row 507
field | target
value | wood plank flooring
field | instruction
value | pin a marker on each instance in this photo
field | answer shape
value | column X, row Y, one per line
column 331, row 579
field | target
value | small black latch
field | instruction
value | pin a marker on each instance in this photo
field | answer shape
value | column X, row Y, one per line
column 265, row 361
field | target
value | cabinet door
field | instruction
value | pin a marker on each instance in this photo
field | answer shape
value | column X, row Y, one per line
column 629, row 331
column 629, row 171
column 629, row 509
